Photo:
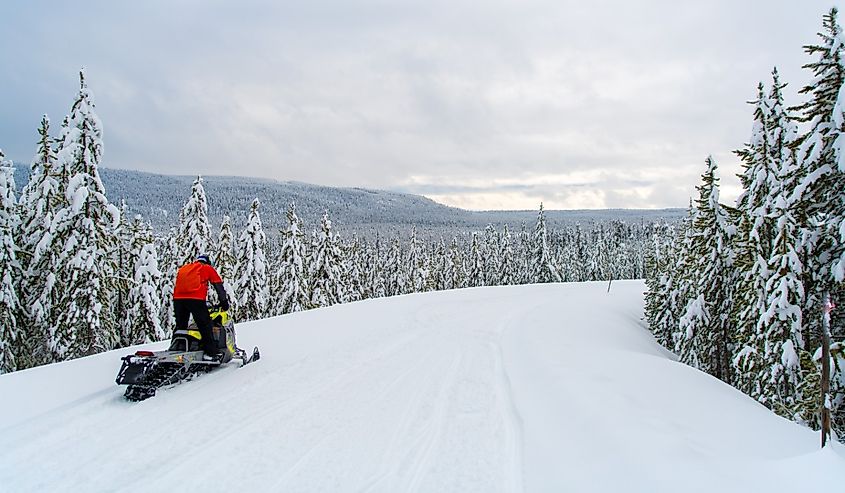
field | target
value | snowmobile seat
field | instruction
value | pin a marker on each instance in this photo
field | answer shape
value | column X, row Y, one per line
column 185, row 340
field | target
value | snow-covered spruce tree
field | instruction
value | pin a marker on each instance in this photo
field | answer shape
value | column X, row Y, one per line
column 143, row 304
column 778, row 381
column 753, row 244
column 352, row 274
column 289, row 282
column 591, row 267
column 360, row 269
column 593, row 263
column 85, row 237
column 661, row 298
column 225, row 260
column 124, row 274
column 458, row 271
column 613, row 266
column 819, row 199
column 541, row 266
column 705, row 325
column 168, row 249
column 194, row 230
column 684, row 279
column 417, row 280
column 566, row 250
column 375, row 271
column 41, row 198
column 787, row 304
column 565, row 255
column 394, row 270
column 326, row 267
column 368, row 267
column 439, row 266
column 780, row 326
column 442, row 267
column 475, row 264
column 491, row 252
column 523, row 267
column 583, row 255
column 10, row 270
column 601, row 258
column 617, row 264
column 251, row 287
column 603, row 255
column 506, row 275
column 819, row 202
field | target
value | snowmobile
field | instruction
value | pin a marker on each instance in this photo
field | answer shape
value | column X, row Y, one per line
column 146, row 371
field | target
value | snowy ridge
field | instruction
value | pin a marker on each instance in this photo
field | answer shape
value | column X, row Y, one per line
column 159, row 198
column 531, row 388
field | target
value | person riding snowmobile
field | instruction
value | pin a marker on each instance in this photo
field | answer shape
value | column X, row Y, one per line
column 189, row 299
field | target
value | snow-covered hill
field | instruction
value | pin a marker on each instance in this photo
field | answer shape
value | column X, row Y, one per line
column 530, row 388
column 160, row 198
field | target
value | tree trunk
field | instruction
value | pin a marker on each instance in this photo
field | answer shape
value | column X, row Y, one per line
column 825, row 384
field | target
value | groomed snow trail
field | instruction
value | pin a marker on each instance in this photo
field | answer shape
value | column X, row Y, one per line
column 532, row 388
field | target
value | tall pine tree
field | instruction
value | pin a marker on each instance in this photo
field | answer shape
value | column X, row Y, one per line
column 143, row 312
column 85, row 236
column 225, row 260
column 168, row 249
column 10, row 271
column 492, row 259
column 41, row 199
column 506, row 275
column 475, row 264
column 661, row 298
column 251, row 287
column 753, row 244
column 289, row 283
column 541, row 264
column 705, row 325
column 326, row 267
column 194, row 229
column 819, row 198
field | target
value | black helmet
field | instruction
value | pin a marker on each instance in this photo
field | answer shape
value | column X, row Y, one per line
column 204, row 259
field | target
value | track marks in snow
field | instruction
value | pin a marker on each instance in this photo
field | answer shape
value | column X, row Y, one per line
column 513, row 434
column 412, row 394
column 478, row 445
column 420, row 402
column 425, row 407
column 379, row 400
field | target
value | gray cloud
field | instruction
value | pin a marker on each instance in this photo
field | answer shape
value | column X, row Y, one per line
column 434, row 97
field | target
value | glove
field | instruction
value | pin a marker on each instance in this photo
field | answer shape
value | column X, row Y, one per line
column 221, row 295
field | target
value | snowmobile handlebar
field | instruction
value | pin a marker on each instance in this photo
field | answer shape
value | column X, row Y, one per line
column 215, row 307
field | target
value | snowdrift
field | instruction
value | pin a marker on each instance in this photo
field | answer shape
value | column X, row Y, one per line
column 529, row 388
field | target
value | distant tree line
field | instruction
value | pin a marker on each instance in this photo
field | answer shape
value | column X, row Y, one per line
column 79, row 276
column 749, row 293
column 355, row 211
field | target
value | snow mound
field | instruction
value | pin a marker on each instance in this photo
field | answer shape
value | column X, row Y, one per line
column 531, row 388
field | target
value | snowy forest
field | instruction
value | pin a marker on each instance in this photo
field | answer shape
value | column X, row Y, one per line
column 80, row 276
column 748, row 293
column 358, row 212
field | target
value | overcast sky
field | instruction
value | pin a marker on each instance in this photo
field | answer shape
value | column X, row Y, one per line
column 479, row 104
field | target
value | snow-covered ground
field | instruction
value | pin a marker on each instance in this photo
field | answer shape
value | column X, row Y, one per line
column 531, row 388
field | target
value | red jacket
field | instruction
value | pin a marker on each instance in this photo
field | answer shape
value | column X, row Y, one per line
column 192, row 281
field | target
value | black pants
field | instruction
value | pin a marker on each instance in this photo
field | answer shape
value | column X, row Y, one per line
column 183, row 308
